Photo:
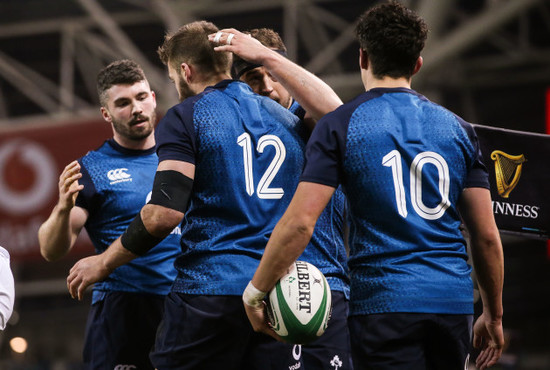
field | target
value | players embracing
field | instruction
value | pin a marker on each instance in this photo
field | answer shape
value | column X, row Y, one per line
column 229, row 164
column 229, row 161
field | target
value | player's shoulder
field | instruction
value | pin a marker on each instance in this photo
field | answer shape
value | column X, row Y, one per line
column 340, row 117
column 429, row 104
column 211, row 96
column 99, row 152
column 226, row 92
column 346, row 110
column 110, row 152
column 181, row 108
column 451, row 116
column 225, row 89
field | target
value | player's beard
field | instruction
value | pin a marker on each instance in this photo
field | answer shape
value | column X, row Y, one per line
column 184, row 90
column 130, row 130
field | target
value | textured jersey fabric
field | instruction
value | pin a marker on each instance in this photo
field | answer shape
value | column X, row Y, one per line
column 403, row 162
column 248, row 154
column 297, row 109
column 329, row 254
column 117, row 184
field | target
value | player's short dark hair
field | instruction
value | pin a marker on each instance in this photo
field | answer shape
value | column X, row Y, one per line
column 392, row 36
column 120, row 72
column 267, row 37
column 189, row 44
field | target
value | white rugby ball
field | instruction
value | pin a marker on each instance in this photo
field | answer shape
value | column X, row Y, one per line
column 300, row 304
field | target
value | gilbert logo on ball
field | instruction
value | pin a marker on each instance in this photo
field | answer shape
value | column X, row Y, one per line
column 300, row 304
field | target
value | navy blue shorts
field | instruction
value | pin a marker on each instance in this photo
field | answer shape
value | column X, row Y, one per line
column 121, row 330
column 411, row 341
column 213, row 332
column 331, row 350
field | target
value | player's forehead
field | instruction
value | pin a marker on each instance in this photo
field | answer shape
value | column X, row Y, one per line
column 255, row 73
column 121, row 91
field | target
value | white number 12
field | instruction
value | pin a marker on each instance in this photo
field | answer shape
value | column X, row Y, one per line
column 393, row 160
column 263, row 191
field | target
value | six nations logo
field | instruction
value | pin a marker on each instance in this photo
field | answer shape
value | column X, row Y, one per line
column 118, row 175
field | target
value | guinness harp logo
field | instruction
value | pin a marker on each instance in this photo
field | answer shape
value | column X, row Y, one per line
column 507, row 171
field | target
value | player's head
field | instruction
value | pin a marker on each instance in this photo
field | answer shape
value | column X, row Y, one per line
column 188, row 51
column 127, row 101
column 269, row 38
column 256, row 76
column 391, row 37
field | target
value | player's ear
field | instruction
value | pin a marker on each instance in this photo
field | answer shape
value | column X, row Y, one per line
column 154, row 98
column 418, row 65
column 363, row 59
column 105, row 114
column 187, row 72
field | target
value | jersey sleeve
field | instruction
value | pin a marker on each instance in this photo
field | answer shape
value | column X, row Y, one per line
column 85, row 197
column 478, row 177
column 175, row 135
column 297, row 110
column 325, row 151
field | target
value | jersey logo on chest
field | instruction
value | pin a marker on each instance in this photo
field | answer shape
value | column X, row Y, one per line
column 118, row 175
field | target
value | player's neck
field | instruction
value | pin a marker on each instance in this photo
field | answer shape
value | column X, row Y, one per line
column 209, row 81
column 289, row 102
column 389, row 83
column 143, row 144
column 371, row 82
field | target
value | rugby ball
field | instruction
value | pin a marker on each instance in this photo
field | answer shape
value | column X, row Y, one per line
column 300, row 304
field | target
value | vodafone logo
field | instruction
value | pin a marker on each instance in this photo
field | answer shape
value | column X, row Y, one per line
column 118, row 175
column 297, row 352
column 36, row 158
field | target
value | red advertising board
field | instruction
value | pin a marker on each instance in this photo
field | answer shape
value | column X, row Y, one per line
column 31, row 160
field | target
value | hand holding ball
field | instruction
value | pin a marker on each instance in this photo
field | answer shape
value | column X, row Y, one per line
column 300, row 304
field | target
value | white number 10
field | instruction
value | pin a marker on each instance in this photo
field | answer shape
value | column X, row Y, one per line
column 264, row 191
column 393, row 160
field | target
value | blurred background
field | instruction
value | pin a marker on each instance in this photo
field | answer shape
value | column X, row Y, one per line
column 486, row 60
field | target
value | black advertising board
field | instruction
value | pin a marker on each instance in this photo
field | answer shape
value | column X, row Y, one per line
column 519, row 173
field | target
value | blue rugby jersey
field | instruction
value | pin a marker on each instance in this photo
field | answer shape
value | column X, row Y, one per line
column 117, row 184
column 248, row 154
column 297, row 109
column 330, row 251
column 403, row 162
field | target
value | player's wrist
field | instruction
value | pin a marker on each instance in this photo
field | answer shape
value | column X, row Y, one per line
column 252, row 296
column 493, row 313
column 63, row 207
column 107, row 264
column 271, row 59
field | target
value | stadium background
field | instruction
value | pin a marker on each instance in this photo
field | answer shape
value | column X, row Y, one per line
column 487, row 60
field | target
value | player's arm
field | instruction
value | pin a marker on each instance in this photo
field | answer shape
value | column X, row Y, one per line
column 488, row 260
column 165, row 211
column 7, row 291
column 57, row 235
column 287, row 242
column 313, row 94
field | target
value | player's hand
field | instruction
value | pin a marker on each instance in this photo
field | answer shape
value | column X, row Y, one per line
column 258, row 319
column 489, row 337
column 84, row 273
column 69, row 186
column 245, row 46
